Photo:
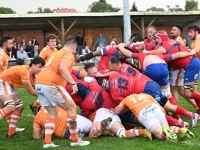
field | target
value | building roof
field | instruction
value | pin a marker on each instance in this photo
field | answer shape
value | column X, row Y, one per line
column 65, row 10
column 156, row 9
column 91, row 20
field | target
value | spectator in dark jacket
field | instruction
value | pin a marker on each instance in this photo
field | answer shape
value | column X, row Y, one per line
column 29, row 49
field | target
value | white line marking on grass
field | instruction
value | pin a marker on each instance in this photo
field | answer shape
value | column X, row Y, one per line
column 28, row 115
column 192, row 143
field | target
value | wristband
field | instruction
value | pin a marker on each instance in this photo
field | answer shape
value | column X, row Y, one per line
column 74, row 83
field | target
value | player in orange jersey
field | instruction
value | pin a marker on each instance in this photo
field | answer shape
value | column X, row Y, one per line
column 20, row 77
column 148, row 112
column 48, row 50
column 106, row 122
column 45, row 53
column 7, row 45
column 50, row 87
column 61, row 130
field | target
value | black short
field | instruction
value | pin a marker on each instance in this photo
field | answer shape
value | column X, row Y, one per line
column 163, row 101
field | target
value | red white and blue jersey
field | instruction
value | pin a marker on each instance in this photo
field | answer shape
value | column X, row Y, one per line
column 132, row 48
column 148, row 45
column 122, row 86
column 107, row 54
column 129, row 71
column 173, row 47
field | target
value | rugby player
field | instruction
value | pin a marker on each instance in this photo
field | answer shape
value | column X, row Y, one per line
column 50, row 87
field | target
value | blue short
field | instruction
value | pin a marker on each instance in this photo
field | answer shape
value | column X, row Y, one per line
column 153, row 89
column 192, row 71
column 128, row 117
column 158, row 73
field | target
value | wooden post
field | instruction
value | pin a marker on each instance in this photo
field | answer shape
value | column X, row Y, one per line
column 136, row 25
column 150, row 24
column 143, row 28
column 63, row 32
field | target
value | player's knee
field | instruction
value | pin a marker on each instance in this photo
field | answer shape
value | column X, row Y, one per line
column 188, row 90
column 10, row 104
column 166, row 91
column 121, row 133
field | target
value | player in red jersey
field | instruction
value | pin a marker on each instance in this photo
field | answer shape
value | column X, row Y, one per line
column 149, row 44
column 121, row 86
column 151, row 65
column 90, row 95
column 106, row 54
column 190, row 64
column 125, row 69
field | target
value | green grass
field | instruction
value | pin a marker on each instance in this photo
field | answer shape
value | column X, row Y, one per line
column 102, row 143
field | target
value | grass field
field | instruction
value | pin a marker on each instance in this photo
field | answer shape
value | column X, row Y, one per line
column 102, row 143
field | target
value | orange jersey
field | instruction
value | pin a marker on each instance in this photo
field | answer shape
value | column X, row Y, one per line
column 180, row 40
column 78, row 68
column 50, row 74
column 136, row 102
column 60, row 126
column 3, row 60
column 16, row 75
column 197, row 44
column 92, row 116
column 46, row 53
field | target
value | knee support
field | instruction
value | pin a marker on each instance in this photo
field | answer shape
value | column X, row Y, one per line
column 18, row 103
column 195, row 83
column 9, row 103
column 166, row 91
column 121, row 133
column 189, row 87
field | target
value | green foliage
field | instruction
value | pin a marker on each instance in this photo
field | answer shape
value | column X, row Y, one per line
column 4, row 10
column 191, row 5
column 134, row 7
column 101, row 6
column 40, row 10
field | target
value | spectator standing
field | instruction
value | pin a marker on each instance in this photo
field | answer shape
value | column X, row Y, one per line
column 29, row 50
column 13, row 39
column 23, row 45
column 34, row 41
column 99, row 48
column 113, row 42
column 88, row 40
column 14, row 50
column 100, row 40
column 79, row 40
column 21, row 56
column 36, row 52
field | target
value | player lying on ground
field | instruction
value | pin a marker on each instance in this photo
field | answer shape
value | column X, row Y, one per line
column 61, row 130
column 107, row 123
column 150, row 114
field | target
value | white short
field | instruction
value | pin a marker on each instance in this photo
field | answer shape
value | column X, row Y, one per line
column 83, row 125
column 104, row 113
column 5, row 88
column 151, row 115
column 51, row 95
column 177, row 77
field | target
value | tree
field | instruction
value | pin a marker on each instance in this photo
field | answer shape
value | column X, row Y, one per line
column 40, row 10
column 4, row 10
column 134, row 7
column 100, row 6
column 152, row 7
column 191, row 5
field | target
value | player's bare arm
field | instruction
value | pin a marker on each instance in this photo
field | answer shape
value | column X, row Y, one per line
column 29, row 88
column 126, row 52
column 160, row 50
column 183, row 54
column 63, row 68
column 118, row 109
